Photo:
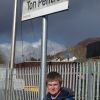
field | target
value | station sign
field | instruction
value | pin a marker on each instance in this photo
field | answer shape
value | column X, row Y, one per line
column 35, row 8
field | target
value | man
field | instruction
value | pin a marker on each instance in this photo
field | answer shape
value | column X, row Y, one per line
column 54, row 89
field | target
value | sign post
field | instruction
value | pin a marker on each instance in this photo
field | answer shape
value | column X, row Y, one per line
column 43, row 68
column 36, row 8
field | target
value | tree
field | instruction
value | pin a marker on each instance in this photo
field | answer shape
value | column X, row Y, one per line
column 1, row 59
column 33, row 59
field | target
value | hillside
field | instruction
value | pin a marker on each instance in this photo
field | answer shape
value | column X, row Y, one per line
column 85, row 49
column 80, row 49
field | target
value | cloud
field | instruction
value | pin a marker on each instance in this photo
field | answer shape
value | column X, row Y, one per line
column 5, row 51
column 54, row 47
column 25, row 50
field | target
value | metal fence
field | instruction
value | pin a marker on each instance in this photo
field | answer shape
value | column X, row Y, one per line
column 82, row 78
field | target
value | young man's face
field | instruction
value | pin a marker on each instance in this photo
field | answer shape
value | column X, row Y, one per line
column 53, row 87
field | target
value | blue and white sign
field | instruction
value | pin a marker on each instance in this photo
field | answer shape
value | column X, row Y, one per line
column 36, row 8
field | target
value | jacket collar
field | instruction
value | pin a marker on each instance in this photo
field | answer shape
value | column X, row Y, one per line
column 62, row 95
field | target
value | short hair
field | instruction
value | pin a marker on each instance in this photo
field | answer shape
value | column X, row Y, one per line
column 51, row 76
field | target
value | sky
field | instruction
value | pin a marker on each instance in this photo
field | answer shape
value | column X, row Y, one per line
column 65, row 29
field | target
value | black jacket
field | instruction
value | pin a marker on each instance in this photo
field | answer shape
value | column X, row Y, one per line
column 65, row 94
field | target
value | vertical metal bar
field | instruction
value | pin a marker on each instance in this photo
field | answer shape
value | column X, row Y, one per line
column 79, row 87
column 39, row 81
column 76, row 84
column 68, row 66
column 20, row 74
column 16, row 93
column 94, row 79
column 86, row 90
column 83, row 81
column 25, row 76
column 70, row 84
column 32, row 80
column 98, row 82
column 43, row 63
column 73, row 75
column 65, row 76
column 12, row 49
column 22, row 70
column 28, row 83
column 50, row 68
column 36, row 82
column 6, row 83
